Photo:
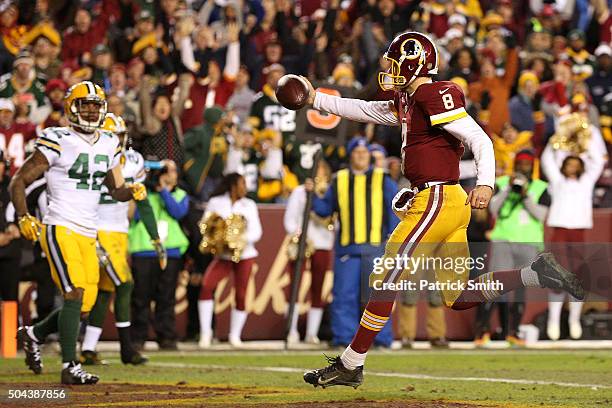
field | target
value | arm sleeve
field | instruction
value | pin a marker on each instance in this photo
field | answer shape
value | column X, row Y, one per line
column 253, row 230
column 177, row 210
column 549, row 165
column 594, row 164
column 469, row 133
column 293, row 212
column 378, row 112
column 145, row 213
column 186, row 50
column 232, row 61
column 48, row 143
column 537, row 211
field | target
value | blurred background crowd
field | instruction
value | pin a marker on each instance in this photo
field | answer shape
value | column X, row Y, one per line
column 194, row 81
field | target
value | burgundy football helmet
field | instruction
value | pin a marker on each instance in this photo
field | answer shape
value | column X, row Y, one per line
column 411, row 55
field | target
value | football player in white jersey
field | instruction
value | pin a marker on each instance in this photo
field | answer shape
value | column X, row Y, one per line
column 113, row 223
column 77, row 161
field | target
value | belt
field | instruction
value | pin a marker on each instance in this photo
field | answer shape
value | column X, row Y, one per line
column 429, row 184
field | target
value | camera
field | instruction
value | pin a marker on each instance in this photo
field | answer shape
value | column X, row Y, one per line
column 155, row 169
column 518, row 183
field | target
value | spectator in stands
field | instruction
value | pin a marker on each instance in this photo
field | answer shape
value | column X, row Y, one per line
column 101, row 64
column 55, row 91
column 230, row 201
column 161, row 129
column 14, row 135
column 46, row 45
column 521, row 105
column 582, row 61
column 214, row 86
column 520, row 206
column 498, row 86
column 23, row 81
column 600, row 83
column 170, row 204
column 80, row 39
column 205, row 153
column 463, row 64
column 242, row 98
column 321, row 242
column 145, row 24
column 571, row 214
column 10, row 251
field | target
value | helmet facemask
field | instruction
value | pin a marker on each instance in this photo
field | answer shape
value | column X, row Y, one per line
column 76, row 118
column 391, row 79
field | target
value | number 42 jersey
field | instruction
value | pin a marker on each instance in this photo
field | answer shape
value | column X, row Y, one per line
column 77, row 169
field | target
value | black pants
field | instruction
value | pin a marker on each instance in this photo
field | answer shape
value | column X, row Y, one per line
column 9, row 278
column 39, row 272
column 153, row 284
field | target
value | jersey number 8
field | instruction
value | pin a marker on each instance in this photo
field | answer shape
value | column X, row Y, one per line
column 448, row 101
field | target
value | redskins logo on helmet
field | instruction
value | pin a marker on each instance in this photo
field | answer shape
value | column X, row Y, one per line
column 411, row 55
column 76, row 96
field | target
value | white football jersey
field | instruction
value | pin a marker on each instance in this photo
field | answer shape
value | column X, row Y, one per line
column 113, row 214
column 77, row 169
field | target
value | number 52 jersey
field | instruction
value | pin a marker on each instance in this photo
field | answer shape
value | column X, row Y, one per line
column 77, row 169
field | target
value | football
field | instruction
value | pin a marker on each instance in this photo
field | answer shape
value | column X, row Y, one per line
column 292, row 92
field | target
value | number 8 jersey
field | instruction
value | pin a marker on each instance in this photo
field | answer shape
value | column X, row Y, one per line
column 77, row 169
column 429, row 152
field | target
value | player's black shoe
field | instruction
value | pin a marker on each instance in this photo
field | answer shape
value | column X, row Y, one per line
column 74, row 374
column 135, row 358
column 90, row 358
column 552, row 275
column 32, row 350
column 335, row 374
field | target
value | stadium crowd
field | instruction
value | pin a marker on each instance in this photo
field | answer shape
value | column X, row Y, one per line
column 194, row 81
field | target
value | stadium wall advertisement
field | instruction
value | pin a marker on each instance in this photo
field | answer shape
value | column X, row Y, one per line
column 268, row 290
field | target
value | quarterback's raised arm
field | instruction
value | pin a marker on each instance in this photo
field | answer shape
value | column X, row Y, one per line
column 378, row 112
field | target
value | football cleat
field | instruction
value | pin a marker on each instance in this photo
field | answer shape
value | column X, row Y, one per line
column 89, row 357
column 552, row 275
column 74, row 374
column 335, row 374
column 134, row 358
column 32, row 350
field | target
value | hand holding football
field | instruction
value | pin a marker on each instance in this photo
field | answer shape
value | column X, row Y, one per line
column 292, row 91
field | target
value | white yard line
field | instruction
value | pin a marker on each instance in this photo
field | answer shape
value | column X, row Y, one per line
column 383, row 374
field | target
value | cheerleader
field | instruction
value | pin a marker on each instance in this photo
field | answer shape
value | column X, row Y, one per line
column 230, row 200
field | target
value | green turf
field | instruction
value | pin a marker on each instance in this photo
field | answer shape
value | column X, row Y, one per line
column 240, row 370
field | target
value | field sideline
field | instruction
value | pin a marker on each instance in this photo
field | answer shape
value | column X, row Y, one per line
column 453, row 378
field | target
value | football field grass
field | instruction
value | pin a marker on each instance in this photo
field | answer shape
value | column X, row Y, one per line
column 454, row 378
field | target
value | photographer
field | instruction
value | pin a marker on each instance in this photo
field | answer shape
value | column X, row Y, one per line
column 520, row 206
column 170, row 204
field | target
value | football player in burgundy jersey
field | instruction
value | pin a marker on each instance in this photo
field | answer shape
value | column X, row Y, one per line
column 436, row 209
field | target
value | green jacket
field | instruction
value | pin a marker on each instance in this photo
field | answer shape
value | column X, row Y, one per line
column 514, row 223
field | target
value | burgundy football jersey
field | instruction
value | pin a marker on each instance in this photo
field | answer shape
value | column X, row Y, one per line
column 429, row 153
column 13, row 141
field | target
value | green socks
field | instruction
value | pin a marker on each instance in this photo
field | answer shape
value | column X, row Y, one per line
column 98, row 311
column 68, row 322
column 47, row 326
column 123, row 295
